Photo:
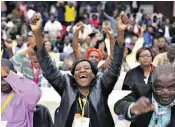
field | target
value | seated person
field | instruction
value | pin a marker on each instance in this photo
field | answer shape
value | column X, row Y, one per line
column 142, row 73
column 151, row 105
column 19, row 97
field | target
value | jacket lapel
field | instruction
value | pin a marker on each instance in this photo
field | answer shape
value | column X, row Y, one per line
column 173, row 113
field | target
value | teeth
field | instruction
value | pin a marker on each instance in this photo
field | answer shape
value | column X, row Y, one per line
column 83, row 76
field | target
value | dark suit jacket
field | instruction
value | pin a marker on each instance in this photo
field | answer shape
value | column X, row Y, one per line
column 121, row 106
column 133, row 77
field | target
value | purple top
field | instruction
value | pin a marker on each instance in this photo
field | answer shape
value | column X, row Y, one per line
column 20, row 109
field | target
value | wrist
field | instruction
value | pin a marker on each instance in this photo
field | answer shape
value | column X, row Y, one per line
column 121, row 32
column 36, row 32
column 111, row 37
column 76, row 33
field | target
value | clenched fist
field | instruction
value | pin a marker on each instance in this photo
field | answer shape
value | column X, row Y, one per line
column 143, row 105
column 36, row 22
column 79, row 26
column 122, row 21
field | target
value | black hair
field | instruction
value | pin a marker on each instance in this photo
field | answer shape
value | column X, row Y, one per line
column 98, row 43
column 93, row 66
column 129, row 50
column 52, row 47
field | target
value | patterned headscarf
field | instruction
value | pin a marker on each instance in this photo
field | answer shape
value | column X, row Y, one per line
column 90, row 50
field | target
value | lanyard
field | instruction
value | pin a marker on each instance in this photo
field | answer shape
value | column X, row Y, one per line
column 35, row 79
column 82, row 107
column 2, row 52
column 6, row 102
column 159, row 113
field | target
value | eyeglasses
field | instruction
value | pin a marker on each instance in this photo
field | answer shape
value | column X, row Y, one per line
column 143, row 56
column 160, row 91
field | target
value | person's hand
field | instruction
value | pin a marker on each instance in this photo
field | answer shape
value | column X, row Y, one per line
column 79, row 26
column 122, row 22
column 8, row 44
column 143, row 28
column 143, row 105
column 31, row 41
column 109, row 32
column 105, row 24
column 5, row 71
column 69, row 62
column 29, row 49
column 36, row 22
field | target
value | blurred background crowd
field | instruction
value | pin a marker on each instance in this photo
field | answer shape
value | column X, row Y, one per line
column 59, row 19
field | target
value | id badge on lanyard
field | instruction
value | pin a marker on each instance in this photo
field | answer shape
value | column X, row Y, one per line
column 80, row 121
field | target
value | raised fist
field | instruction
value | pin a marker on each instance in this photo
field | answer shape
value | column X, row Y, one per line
column 8, row 44
column 122, row 22
column 109, row 31
column 36, row 22
column 143, row 28
column 143, row 105
column 79, row 26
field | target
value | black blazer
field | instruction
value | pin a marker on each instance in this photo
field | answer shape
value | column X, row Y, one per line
column 66, row 87
column 133, row 77
column 121, row 106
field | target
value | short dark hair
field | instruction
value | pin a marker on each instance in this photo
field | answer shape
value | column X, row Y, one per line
column 93, row 66
column 141, row 50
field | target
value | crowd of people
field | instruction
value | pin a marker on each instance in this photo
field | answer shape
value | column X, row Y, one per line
column 80, row 49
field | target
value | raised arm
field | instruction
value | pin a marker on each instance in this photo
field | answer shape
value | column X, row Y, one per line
column 110, row 36
column 75, row 43
column 112, row 73
column 25, row 88
column 18, row 58
column 51, row 73
column 9, row 48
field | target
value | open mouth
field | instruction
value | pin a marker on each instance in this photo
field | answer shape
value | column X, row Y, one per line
column 35, row 61
column 83, row 77
column 166, row 99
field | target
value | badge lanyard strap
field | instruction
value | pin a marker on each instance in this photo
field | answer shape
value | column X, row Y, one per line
column 2, row 52
column 159, row 113
column 82, row 107
column 6, row 102
column 37, row 73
